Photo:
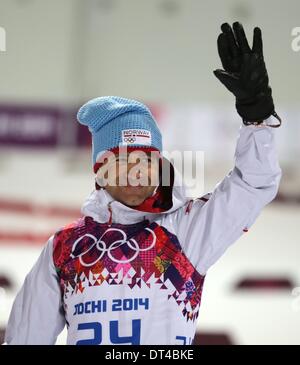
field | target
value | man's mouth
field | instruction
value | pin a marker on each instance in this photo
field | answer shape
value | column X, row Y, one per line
column 134, row 187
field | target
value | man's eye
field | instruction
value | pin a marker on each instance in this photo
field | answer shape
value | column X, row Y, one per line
column 121, row 159
column 144, row 160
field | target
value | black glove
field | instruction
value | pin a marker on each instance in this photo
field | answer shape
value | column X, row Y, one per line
column 245, row 73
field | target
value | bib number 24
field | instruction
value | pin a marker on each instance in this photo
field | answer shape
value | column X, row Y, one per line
column 115, row 338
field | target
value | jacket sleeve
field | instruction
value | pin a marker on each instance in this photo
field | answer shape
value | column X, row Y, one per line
column 218, row 219
column 37, row 315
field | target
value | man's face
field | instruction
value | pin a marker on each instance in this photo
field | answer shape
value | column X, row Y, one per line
column 131, row 177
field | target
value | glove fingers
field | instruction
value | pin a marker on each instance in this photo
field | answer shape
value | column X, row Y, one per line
column 233, row 47
column 257, row 41
column 241, row 37
column 224, row 75
column 229, row 80
column 224, row 53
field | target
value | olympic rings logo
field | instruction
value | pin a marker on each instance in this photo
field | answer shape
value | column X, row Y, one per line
column 102, row 248
column 129, row 139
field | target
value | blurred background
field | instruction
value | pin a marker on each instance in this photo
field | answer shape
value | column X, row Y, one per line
column 55, row 55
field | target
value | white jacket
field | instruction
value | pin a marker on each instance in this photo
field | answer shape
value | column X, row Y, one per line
column 139, row 280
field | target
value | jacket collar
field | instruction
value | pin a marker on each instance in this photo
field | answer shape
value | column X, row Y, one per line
column 104, row 209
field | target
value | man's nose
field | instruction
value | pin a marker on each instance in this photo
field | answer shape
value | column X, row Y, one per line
column 139, row 172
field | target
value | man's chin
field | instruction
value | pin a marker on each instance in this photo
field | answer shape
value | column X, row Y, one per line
column 133, row 202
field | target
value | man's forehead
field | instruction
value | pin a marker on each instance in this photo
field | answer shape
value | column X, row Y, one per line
column 137, row 152
column 113, row 156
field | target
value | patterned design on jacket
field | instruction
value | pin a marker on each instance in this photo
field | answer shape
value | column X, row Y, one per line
column 87, row 253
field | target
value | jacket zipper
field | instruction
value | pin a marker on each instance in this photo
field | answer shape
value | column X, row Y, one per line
column 110, row 215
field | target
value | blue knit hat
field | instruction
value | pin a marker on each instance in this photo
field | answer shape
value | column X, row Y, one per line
column 115, row 121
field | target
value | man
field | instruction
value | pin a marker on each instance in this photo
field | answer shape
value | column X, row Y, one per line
column 131, row 270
